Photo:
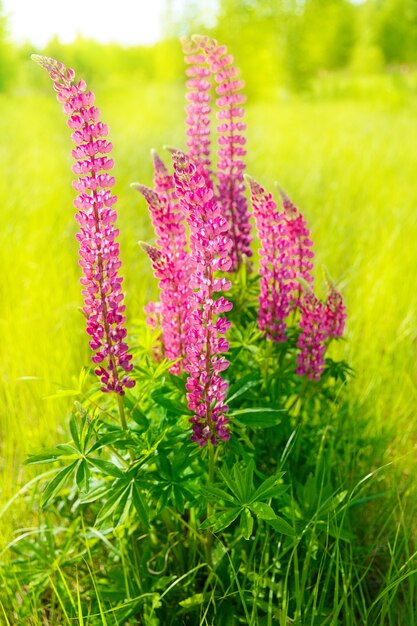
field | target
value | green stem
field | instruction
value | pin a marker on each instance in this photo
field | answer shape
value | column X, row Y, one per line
column 121, row 412
column 211, row 466
column 123, row 421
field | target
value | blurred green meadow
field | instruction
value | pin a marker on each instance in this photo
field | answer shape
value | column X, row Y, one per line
column 343, row 148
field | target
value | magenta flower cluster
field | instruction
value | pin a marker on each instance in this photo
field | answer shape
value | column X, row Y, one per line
column 201, row 222
column 206, row 58
column 205, row 343
column 285, row 259
column 172, row 268
column 319, row 322
column 103, row 298
column 286, row 282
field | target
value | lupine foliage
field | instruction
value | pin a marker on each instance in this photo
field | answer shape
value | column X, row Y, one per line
column 141, row 525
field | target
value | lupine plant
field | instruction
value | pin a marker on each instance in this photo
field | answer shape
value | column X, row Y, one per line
column 195, row 516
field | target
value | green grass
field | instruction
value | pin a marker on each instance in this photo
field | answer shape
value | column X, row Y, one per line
column 349, row 162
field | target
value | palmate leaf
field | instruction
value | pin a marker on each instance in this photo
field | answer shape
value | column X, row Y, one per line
column 221, row 522
column 56, row 484
column 117, row 495
column 219, row 494
column 244, row 480
column 270, row 488
column 107, row 440
column 107, row 467
column 122, row 495
column 246, row 500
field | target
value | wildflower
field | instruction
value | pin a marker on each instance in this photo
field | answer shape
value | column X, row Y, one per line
column 206, row 57
column 172, row 268
column 313, row 336
column 198, row 110
column 299, row 253
column 164, row 182
column 209, row 249
column 275, row 266
column 335, row 313
column 99, row 251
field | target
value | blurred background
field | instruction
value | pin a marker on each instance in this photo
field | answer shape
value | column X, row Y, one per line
column 332, row 115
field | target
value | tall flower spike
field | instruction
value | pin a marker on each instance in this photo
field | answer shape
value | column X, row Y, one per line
column 313, row 337
column 99, row 252
column 210, row 246
column 172, row 268
column 300, row 254
column 335, row 312
column 231, row 189
column 198, row 110
column 275, row 264
column 163, row 181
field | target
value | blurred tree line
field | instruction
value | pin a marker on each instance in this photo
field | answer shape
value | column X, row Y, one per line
column 277, row 43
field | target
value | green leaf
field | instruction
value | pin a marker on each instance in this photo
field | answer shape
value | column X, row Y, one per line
column 271, row 487
column 122, row 509
column 165, row 467
column 116, row 494
column 224, row 520
column 106, row 467
column 74, row 431
column 57, row 483
column 246, row 524
column 258, row 418
column 139, row 504
column 242, row 386
column 228, row 480
column 218, row 494
column 281, row 526
column 244, row 480
column 194, row 600
column 68, row 449
column 82, row 475
column 263, row 510
column 47, row 456
column 175, row 407
column 179, row 498
column 107, row 439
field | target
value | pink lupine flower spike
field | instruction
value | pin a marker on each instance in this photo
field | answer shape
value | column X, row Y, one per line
column 210, row 248
column 99, row 252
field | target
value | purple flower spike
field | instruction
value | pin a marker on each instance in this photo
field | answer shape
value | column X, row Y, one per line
column 163, row 181
column 172, row 267
column 335, row 312
column 275, row 266
column 99, row 252
column 207, row 57
column 210, row 248
column 313, row 336
column 198, row 110
column 300, row 254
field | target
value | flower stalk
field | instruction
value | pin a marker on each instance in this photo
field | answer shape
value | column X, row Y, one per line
column 102, row 286
column 205, row 343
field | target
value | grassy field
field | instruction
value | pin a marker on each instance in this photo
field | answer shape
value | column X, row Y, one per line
column 344, row 154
